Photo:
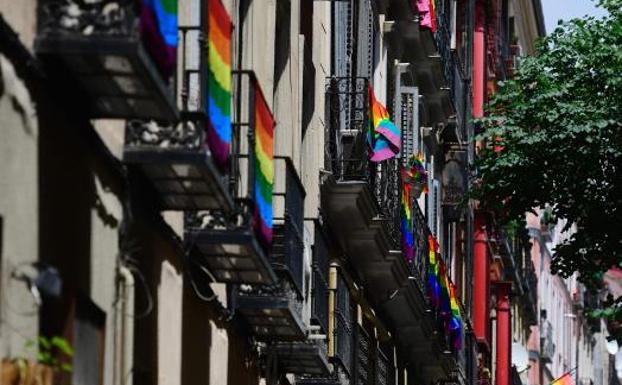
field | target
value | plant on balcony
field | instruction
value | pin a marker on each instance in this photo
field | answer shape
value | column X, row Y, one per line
column 555, row 139
column 53, row 356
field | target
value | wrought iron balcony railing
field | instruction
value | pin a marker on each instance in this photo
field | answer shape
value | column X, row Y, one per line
column 319, row 293
column 547, row 344
column 288, row 246
column 383, row 369
column 346, row 148
column 124, row 64
column 344, row 329
column 228, row 243
column 175, row 155
column 363, row 366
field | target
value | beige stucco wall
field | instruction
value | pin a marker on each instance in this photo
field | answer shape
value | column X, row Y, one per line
column 18, row 210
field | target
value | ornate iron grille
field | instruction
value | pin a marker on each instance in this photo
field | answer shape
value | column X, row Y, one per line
column 320, row 279
column 419, row 265
column 362, row 357
column 343, row 328
column 347, row 150
column 105, row 18
column 383, row 369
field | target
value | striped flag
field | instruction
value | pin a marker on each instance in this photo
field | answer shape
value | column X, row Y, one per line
column 218, row 98
column 384, row 137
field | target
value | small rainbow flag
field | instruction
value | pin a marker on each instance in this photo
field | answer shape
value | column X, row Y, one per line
column 384, row 138
column 218, row 98
column 456, row 319
column 564, row 379
column 408, row 241
column 158, row 30
column 264, row 168
column 434, row 287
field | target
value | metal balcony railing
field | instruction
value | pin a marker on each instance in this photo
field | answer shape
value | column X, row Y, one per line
column 125, row 66
column 288, row 245
column 344, row 328
column 347, row 151
column 319, row 293
column 383, row 369
column 363, row 366
column 548, row 347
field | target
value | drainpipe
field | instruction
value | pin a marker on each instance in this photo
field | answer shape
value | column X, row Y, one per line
column 124, row 328
column 332, row 291
column 504, row 337
column 481, row 282
column 479, row 59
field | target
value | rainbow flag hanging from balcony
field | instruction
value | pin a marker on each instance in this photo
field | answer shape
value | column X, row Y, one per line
column 384, row 138
column 434, row 286
column 158, row 29
column 219, row 82
column 264, row 168
column 408, row 242
column 445, row 302
column 455, row 326
column 427, row 13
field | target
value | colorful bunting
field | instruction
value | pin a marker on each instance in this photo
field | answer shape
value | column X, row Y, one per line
column 264, row 168
column 158, row 29
column 384, row 137
column 219, row 82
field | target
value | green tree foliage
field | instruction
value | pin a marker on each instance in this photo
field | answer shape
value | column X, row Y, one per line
column 554, row 138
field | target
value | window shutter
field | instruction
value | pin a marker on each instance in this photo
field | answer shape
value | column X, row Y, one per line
column 408, row 119
column 365, row 39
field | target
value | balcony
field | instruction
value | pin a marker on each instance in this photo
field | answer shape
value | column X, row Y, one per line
column 360, row 198
column 308, row 358
column 116, row 52
column 343, row 337
column 228, row 244
column 418, row 329
column 548, row 347
column 175, row 156
column 319, row 291
column 275, row 311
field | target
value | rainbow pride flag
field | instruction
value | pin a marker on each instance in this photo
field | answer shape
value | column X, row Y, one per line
column 565, row 379
column 384, row 138
column 158, row 30
column 427, row 13
column 445, row 302
column 408, row 241
column 455, row 326
column 264, row 168
column 434, row 286
column 218, row 98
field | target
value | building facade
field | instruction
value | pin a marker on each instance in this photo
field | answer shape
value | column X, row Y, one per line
column 188, row 196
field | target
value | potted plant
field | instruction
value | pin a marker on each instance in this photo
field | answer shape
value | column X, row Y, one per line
column 53, row 356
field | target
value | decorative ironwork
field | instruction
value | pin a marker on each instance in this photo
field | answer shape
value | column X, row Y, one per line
column 319, row 291
column 346, row 148
column 104, row 17
column 344, row 327
column 186, row 134
column 362, row 355
column 382, row 369
column 288, row 247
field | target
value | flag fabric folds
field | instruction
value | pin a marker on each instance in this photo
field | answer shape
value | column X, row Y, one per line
column 218, row 98
column 158, row 29
column 434, row 286
column 455, row 325
column 264, row 168
column 384, row 137
column 408, row 241
column 427, row 13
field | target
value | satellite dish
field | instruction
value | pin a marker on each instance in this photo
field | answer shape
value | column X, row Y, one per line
column 520, row 358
